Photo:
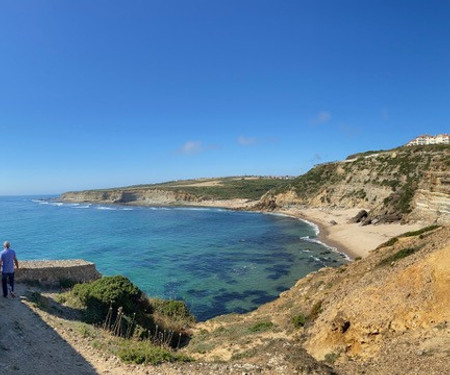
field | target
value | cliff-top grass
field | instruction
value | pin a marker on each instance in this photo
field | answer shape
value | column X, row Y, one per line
column 245, row 187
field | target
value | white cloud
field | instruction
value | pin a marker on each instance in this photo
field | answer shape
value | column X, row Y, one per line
column 321, row 118
column 246, row 141
column 191, row 148
column 249, row 141
column 196, row 147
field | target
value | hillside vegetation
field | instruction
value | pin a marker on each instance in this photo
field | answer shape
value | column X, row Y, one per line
column 406, row 183
column 403, row 184
column 182, row 192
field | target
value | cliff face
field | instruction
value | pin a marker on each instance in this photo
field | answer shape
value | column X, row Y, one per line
column 127, row 196
column 387, row 313
column 408, row 183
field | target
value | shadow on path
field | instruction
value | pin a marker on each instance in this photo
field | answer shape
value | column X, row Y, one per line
column 30, row 346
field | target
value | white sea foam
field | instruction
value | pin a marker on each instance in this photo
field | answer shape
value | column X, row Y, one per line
column 278, row 214
column 40, row 201
column 112, row 208
column 314, row 225
column 213, row 209
column 332, row 248
column 81, row 207
column 317, row 231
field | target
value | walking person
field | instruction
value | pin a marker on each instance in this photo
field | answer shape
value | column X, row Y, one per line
column 7, row 260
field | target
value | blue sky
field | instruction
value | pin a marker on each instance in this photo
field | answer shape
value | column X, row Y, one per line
column 109, row 93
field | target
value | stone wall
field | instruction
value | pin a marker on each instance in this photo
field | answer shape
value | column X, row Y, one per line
column 54, row 271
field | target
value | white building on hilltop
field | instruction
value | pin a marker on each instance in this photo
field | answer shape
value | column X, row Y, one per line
column 427, row 139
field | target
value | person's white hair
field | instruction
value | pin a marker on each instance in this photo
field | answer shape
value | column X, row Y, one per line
column 6, row 244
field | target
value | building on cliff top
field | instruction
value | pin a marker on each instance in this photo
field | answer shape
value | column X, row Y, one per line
column 427, row 139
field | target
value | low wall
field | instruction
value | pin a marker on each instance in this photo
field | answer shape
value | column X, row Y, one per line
column 55, row 271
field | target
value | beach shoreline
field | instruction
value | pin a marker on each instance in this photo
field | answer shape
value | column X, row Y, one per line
column 352, row 239
column 335, row 228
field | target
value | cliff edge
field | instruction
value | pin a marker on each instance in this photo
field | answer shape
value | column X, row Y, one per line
column 388, row 313
column 405, row 184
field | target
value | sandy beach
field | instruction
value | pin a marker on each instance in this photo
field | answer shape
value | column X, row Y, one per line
column 352, row 239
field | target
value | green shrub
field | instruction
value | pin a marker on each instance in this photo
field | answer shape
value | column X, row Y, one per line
column 331, row 357
column 390, row 242
column 98, row 296
column 144, row 352
column 316, row 310
column 261, row 327
column 420, row 231
column 299, row 320
column 171, row 308
column 403, row 253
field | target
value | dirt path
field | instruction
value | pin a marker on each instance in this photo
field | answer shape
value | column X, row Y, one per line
column 33, row 341
column 30, row 346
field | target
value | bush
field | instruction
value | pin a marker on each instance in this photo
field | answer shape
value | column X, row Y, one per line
column 316, row 310
column 420, row 231
column 171, row 308
column 403, row 253
column 331, row 357
column 144, row 352
column 299, row 320
column 261, row 327
column 390, row 242
column 100, row 294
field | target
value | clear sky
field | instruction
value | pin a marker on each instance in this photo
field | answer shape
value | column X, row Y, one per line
column 110, row 93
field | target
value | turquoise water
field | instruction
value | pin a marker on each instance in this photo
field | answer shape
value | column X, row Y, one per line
column 216, row 260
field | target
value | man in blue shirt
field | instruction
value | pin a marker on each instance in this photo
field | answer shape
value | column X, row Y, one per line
column 7, row 261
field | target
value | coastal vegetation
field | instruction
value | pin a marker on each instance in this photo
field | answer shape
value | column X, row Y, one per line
column 143, row 330
column 401, row 184
column 373, row 315
column 403, row 253
column 242, row 187
column 322, row 314
column 421, row 233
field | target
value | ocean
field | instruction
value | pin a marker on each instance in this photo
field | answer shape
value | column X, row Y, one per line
column 218, row 261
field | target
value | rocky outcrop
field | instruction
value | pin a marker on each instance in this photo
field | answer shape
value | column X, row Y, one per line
column 131, row 196
column 432, row 198
column 386, row 314
column 407, row 184
column 55, row 272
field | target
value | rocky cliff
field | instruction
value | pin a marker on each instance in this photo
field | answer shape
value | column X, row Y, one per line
column 233, row 192
column 408, row 183
column 131, row 196
column 386, row 314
